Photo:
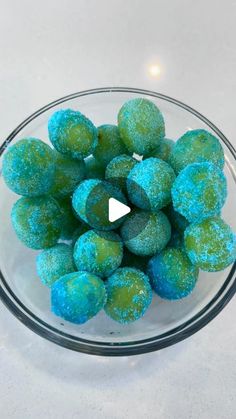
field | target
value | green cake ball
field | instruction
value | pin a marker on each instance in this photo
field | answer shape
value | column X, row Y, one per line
column 164, row 150
column 68, row 175
column 94, row 169
column 129, row 295
column 69, row 221
column 196, row 146
column 78, row 296
column 176, row 219
column 141, row 125
column 71, row 133
column 37, row 221
column 98, row 253
column 172, row 274
column 134, row 261
column 55, row 262
column 109, row 144
column 210, row 244
column 28, row 167
column 118, row 169
column 91, row 203
column 155, row 178
column 146, row 233
column 199, row 191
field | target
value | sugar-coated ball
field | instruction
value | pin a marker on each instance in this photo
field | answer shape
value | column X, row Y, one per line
column 118, row 170
column 196, row 146
column 91, row 203
column 134, row 261
column 177, row 220
column 199, row 191
column 109, row 144
column 81, row 229
column 145, row 233
column 68, row 174
column 94, row 169
column 141, row 125
column 129, row 295
column 37, row 221
column 71, row 133
column 155, row 178
column 172, row 274
column 78, row 296
column 69, row 221
column 100, row 253
column 55, row 262
column 28, row 167
column 164, row 150
column 210, row 244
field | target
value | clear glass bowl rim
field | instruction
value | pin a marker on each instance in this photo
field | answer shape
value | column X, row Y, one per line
column 186, row 329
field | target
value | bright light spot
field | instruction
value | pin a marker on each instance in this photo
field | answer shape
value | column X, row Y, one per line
column 154, row 70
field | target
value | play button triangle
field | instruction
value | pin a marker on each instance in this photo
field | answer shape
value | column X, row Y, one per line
column 117, row 210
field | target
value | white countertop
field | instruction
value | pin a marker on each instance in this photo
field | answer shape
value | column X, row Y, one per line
column 52, row 48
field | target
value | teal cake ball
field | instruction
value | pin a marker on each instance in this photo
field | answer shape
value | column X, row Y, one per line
column 37, row 221
column 55, row 262
column 78, row 296
column 91, row 203
column 118, row 170
column 176, row 219
column 164, row 150
column 172, row 274
column 131, row 260
column 141, row 126
column 109, row 144
column 196, row 146
column 69, row 221
column 199, row 191
column 72, row 134
column 155, row 178
column 210, row 244
column 28, row 167
column 129, row 295
column 145, row 233
column 94, row 169
column 67, row 176
column 98, row 253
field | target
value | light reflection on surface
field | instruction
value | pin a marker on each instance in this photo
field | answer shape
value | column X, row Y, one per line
column 154, row 70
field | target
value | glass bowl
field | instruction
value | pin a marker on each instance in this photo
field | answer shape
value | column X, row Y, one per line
column 166, row 322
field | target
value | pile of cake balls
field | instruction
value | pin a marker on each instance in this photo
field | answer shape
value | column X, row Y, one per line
column 176, row 191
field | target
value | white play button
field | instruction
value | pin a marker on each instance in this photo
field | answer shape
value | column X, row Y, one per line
column 117, row 210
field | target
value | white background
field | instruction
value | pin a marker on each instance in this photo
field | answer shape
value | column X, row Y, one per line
column 52, row 48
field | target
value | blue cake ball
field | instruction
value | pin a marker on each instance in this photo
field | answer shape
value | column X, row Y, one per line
column 210, row 244
column 172, row 274
column 71, row 133
column 145, row 233
column 91, row 203
column 69, row 222
column 78, row 296
column 129, row 295
column 68, row 174
column 155, row 178
column 118, row 170
column 196, row 146
column 28, row 167
column 141, row 125
column 98, row 253
column 109, row 144
column 199, row 191
column 55, row 262
column 37, row 221
column 164, row 150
